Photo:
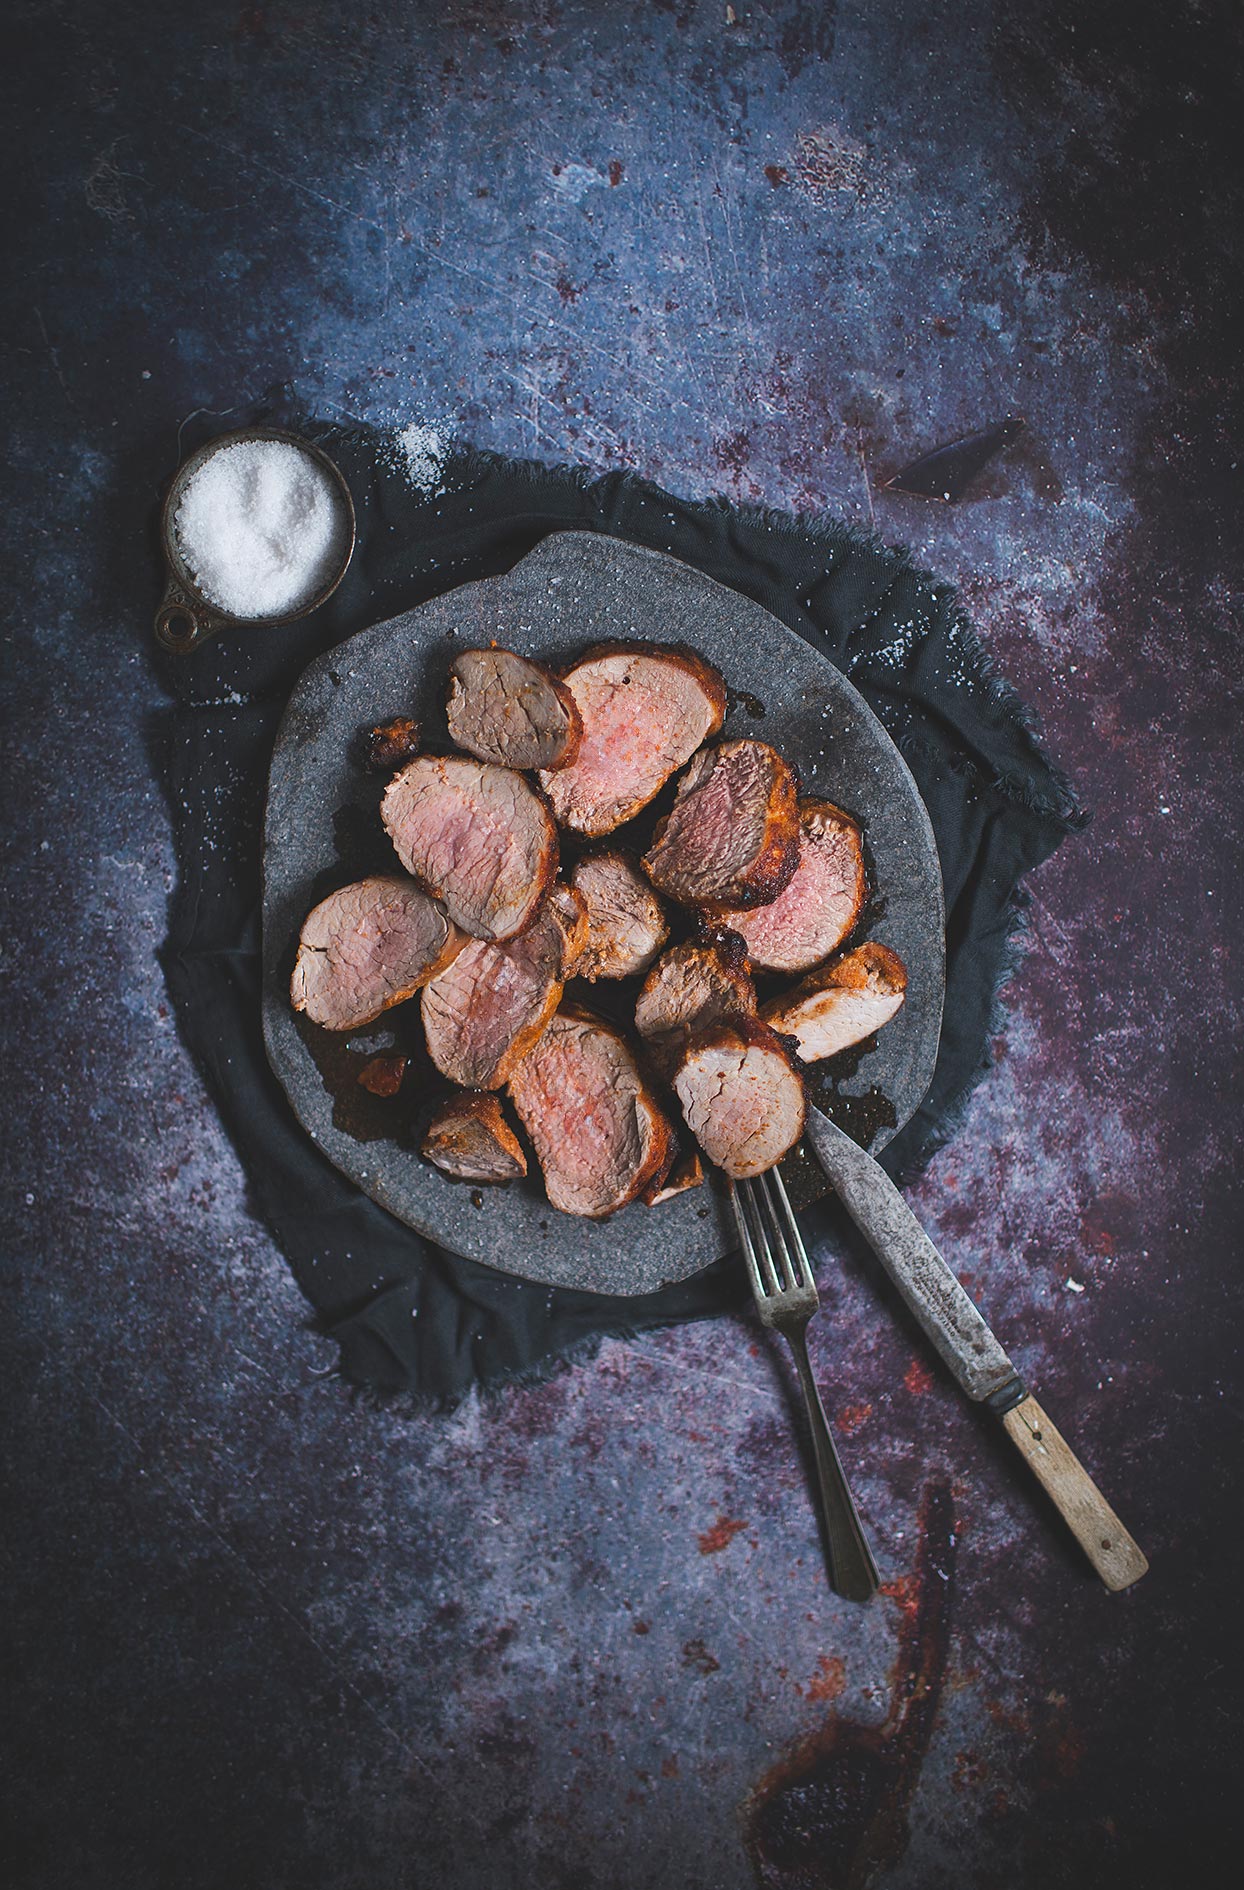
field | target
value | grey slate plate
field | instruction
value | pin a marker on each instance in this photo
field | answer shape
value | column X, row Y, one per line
column 323, row 829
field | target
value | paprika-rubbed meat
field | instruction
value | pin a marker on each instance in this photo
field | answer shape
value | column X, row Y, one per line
column 841, row 1004
column 598, row 1131
column 817, row 908
column 511, row 710
column 369, row 946
column 689, row 987
column 469, row 1138
column 731, row 838
column 477, row 836
column 645, row 710
column 741, row 1095
column 490, row 1006
column 626, row 926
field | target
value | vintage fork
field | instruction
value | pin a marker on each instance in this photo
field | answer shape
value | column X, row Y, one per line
column 786, row 1299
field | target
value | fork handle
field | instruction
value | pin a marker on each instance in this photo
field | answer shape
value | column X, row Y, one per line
column 852, row 1570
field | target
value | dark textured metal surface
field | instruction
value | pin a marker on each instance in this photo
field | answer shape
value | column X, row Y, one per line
column 577, row 1634
column 922, row 1278
column 574, row 590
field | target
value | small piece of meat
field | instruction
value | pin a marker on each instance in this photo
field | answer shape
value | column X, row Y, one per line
column 686, row 1173
column 842, row 1003
column 471, row 1140
column 477, row 836
column 626, row 926
column 508, row 709
column 369, row 946
column 598, row 1130
column 382, row 1076
column 742, row 1096
column 816, row 910
column 571, row 908
column 484, row 1013
column 731, row 838
column 691, row 986
column 391, row 745
column 645, row 709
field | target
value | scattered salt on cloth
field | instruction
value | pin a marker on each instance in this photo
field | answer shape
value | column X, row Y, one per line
column 261, row 527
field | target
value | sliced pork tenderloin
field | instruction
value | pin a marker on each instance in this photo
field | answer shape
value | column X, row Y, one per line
column 510, row 710
column 687, row 1172
column 477, row 836
column 645, row 710
column 731, row 838
column 818, row 907
column 741, row 1095
column 691, row 986
column 598, row 1130
column 484, row 1013
column 471, row 1140
column 367, row 947
column 626, row 924
column 571, row 909
column 841, row 1004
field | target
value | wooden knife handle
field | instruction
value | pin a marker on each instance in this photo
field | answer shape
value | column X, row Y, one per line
column 1088, row 1515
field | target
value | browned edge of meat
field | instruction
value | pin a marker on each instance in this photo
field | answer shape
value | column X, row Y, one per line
column 511, row 710
column 626, row 923
column 710, row 679
column 841, row 1004
column 691, row 986
column 599, row 1133
column 742, row 1096
column 479, row 837
column 731, row 839
column 495, row 1000
column 687, row 1172
column 391, row 745
column 469, row 1138
column 367, row 947
column 819, row 907
column 634, row 738
column 571, row 909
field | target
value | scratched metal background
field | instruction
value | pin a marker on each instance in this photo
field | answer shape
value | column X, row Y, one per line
column 258, row 1634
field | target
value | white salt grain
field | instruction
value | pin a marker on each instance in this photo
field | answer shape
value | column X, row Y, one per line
column 261, row 527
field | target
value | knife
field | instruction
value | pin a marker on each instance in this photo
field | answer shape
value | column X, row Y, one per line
column 957, row 1330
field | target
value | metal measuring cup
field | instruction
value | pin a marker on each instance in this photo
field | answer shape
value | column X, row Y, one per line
column 186, row 617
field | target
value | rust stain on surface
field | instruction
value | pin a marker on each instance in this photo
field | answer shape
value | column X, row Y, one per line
column 833, row 1813
column 721, row 1535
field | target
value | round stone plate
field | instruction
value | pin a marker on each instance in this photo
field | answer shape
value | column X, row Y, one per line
column 322, row 829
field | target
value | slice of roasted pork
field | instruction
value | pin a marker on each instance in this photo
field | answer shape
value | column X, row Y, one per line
column 687, row 1172
column 741, row 1095
column 477, row 836
column 645, row 710
column 599, row 1133
column 484, row 1013
column 817, row 908
column 842, row 1003
column 731, row 838
column 626, row 925
column 571, row 908
column 470, row 1139
column 702, row 982
column 369, row 946
column 511, row 710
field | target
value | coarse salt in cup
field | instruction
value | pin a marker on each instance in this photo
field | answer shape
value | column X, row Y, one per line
column 260, row 528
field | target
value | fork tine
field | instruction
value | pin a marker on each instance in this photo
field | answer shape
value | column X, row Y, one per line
column 759, row 1252
column 746, row 1243
column 790, row 1228
column 787, row 1270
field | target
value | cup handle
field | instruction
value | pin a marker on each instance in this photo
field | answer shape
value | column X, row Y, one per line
column 182, row 622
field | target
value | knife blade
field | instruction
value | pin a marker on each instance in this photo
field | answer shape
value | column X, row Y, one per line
column 960, row 1334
